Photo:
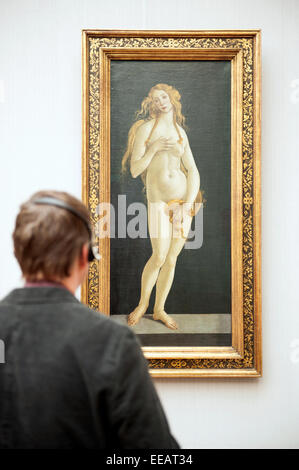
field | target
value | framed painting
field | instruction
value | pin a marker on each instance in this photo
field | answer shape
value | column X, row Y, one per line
column 171, row 176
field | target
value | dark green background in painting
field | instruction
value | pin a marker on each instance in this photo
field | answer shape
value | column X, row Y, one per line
column 202, row 282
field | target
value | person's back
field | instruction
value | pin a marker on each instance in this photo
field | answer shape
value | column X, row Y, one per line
column 73, row 378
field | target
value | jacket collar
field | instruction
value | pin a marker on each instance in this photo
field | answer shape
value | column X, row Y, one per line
column 39, row 295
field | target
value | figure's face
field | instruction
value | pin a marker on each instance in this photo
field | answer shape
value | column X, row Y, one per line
column 162, row 101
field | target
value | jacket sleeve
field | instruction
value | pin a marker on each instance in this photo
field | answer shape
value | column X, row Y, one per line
column 138, row 417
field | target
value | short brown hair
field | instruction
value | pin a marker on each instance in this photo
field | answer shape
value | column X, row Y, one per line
column 47, row 239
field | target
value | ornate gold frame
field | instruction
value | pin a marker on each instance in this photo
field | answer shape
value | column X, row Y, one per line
column 242, row 48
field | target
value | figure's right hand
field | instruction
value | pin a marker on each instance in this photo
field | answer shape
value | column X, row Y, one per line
column 163, row 143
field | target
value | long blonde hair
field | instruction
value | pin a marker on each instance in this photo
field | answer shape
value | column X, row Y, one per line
column 148, row 111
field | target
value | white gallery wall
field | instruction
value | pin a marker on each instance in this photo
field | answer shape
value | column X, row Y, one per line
column 40, row 148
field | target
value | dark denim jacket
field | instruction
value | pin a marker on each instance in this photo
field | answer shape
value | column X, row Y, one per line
column 73, row 378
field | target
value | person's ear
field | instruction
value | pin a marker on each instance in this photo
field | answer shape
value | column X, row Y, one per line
column 83, row 259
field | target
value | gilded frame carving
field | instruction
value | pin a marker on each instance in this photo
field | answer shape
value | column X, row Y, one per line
column 242, row 48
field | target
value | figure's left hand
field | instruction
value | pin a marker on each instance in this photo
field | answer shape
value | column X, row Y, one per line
column 178, row 212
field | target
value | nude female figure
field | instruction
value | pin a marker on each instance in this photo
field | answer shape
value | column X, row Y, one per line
column 159, row 151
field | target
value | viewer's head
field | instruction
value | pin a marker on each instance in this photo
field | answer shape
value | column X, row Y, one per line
column 50, row 241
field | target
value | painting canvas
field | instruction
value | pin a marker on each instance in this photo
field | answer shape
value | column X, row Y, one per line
column 171, row 176
column 199, row 299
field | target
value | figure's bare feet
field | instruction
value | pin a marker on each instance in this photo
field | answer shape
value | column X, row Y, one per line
column 135, row 316
column 166, row 319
